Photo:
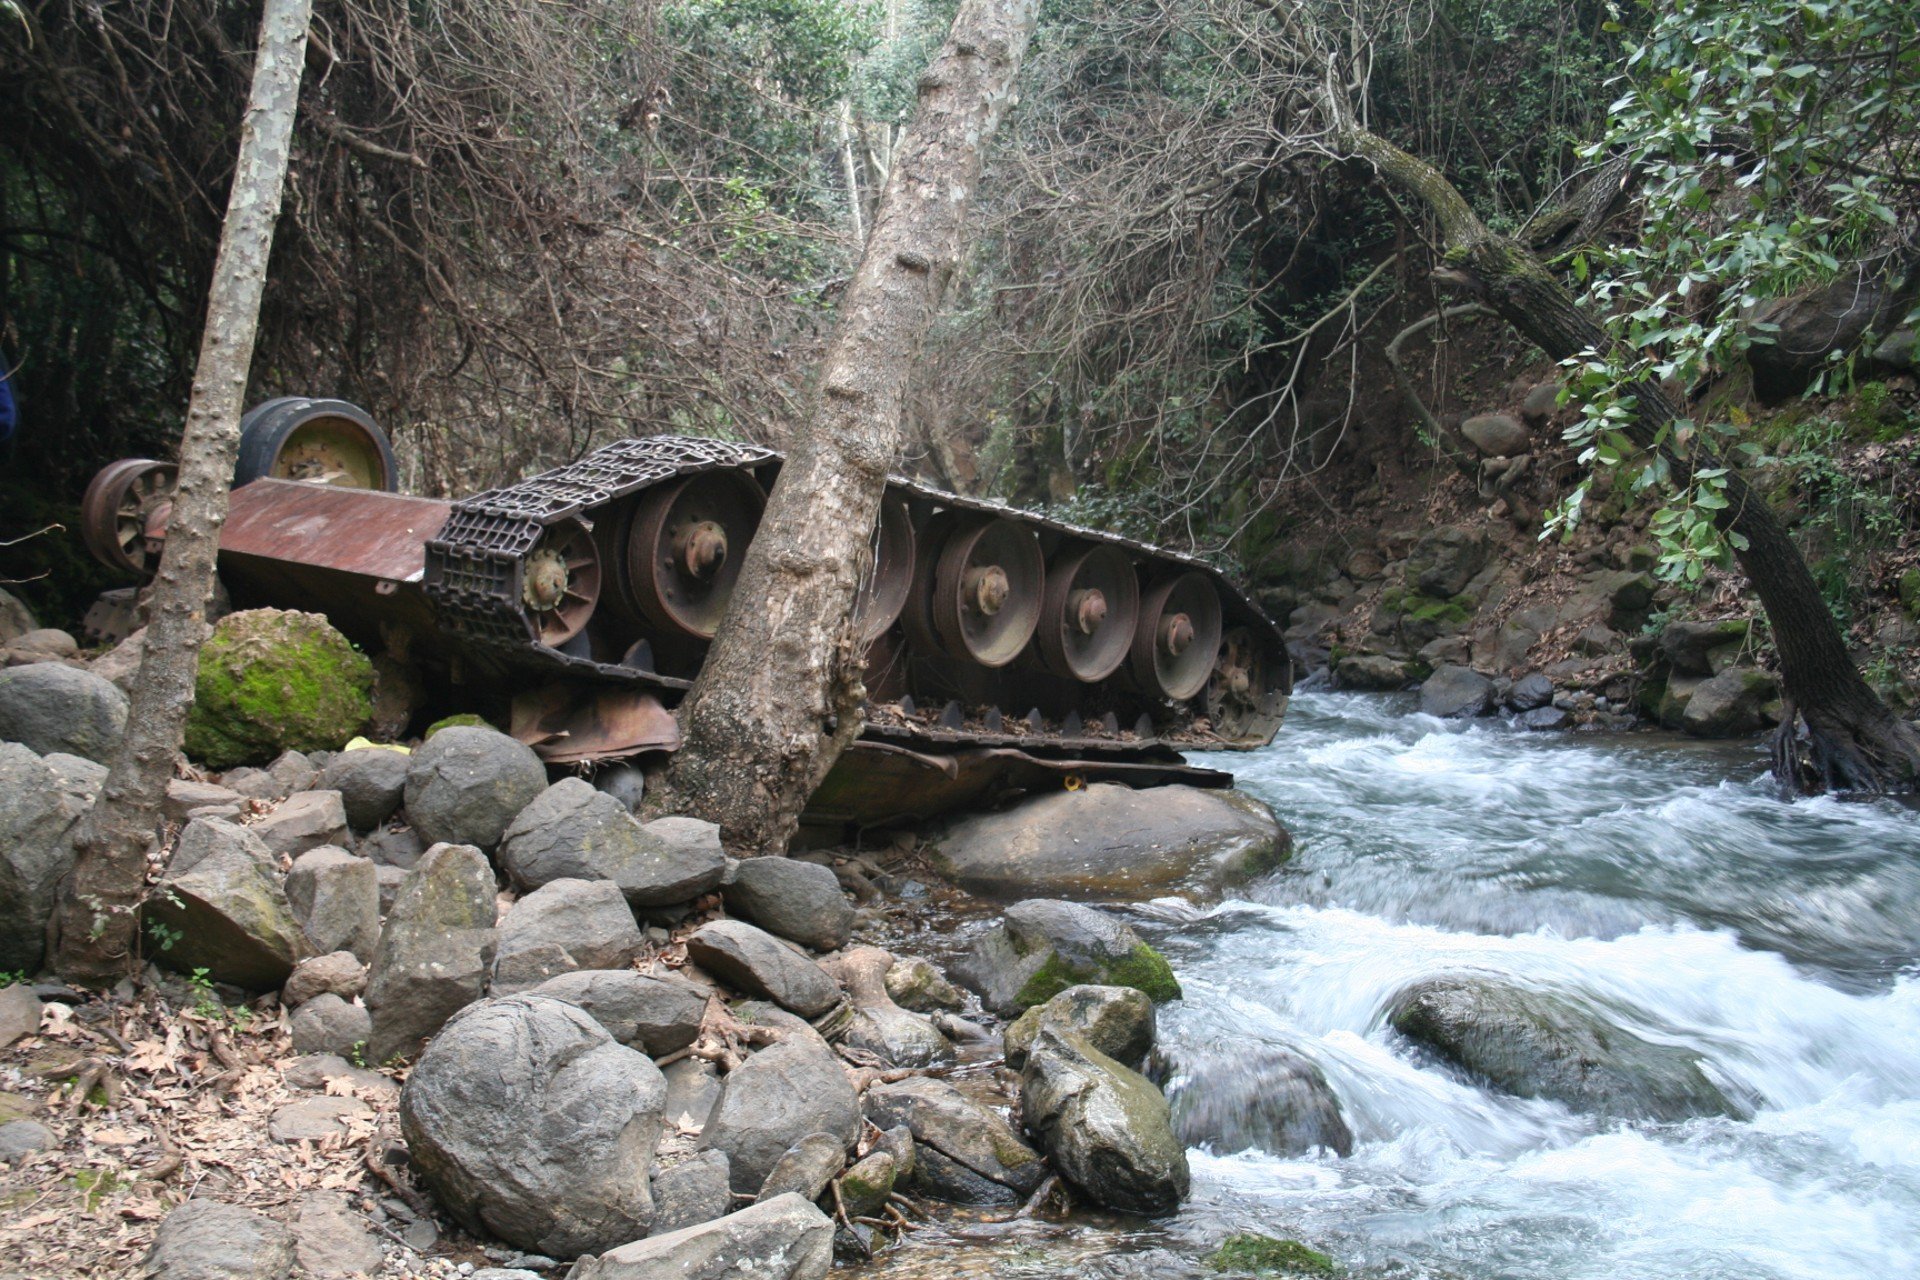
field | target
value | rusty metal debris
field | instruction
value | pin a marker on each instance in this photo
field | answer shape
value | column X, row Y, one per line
column 1006, row 650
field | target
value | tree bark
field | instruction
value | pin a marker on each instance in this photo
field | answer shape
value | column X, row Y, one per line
column 1853, row 740
column 96, row 939
column 779, row 696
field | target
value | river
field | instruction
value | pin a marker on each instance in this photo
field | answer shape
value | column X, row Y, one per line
column 1660, row 880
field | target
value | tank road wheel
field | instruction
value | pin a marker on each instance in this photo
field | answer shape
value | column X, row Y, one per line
column 1092, row 608
column 560, row 582
column 1242, row 686
column 123, row 515
column 324, row 441
column 988, row 587
column 884, row 592
column 1178, row 637
column 686, row 548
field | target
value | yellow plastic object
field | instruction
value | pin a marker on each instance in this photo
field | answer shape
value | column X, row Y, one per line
column 364, row 744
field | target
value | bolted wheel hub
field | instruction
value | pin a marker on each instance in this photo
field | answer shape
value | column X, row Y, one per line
column 546, row 583
column 1089, row 609
column 703, row 549
column 1176, row 634
column 987, row 589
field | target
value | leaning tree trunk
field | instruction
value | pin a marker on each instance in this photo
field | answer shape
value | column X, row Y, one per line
column 95, row 923
column 1853, row 740
column 779, row 696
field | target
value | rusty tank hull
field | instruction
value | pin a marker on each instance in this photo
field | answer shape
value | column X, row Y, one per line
column 1006, row 651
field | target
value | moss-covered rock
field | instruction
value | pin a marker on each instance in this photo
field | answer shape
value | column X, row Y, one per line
column 1266, row 1256
column 465, row 720
column 1042, row 947
column 274, row 680
column 1910, row 592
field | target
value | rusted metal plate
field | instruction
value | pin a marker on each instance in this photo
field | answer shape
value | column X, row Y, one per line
column 359, row 531
column 572, row 723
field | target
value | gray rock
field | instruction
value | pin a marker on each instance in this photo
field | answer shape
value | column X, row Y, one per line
column 44, row 643
column 1454, row 692
column 918, row 985
column 962, row 1151
column 316, row 1119
column 797, row 900
column 1240, row 1095
column 223, row 909
column 773, row 1099
column 898, row 1143
column 1118, row 1021
column 390, row 880
column 16, row 619
column 1107, row 842
column 207, row 1240
column 1539, row 1045
column 878, row 1025
column 328, row 1024
column 22, row 1138
column 314, row 1070
column 371, row 782
column 783, row 1239
column 294, row 771
column 1542, row 402
column 756, row 962
column 338, row 972
column 1496, row 435
column 183, row 797
column 572, row 832
column 1731, row 704
column 303, row 821
column 693, row 1086
column 253, row 784
column 805, row 1168
column 691, row 1192
column 19, row 1012
column 1542, row 719
column 1896, row 350
column 655, row 1015
column 332, row 1242
column 435, row 951
column 1530, row 692
column 529, row 1123
column 393, row 848
column 1375, row 671
column 465, row 785
column 1042, row 947
column 78, row 778
column 864, row 1188
column 336, row 898
column 1104, row 1127
column 51, row 707
column 36, row 851
column 586, row 922
column 1444, row 560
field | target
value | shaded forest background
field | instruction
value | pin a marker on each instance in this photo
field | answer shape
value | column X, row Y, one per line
column 515, row 231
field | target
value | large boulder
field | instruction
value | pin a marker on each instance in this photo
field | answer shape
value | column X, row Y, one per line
column 50, row 707
column 1373, row 671
column 919, row 985
column 273, row 680
column 467, row 785
column 371, row 782
column 529, row 1123
column 784, row 1238
column 798, row 900
column 756, row 962
column 1118, row 1021
column 963, row 1152
column 15, row 618
column 1239, row 1095
column 336, row 898
column 1807, row 328
column 435, row 951
column 572, row 832
column 1690, row 647
column 691, row 1192
column 36, row 850
column 1108, row 842
column 1454, row 692
column 656, row 1015
column 208, row 1240
column 1731, row 704
column 775, row 1098
column 221, row 907
column 304, row 820
column 1041, row 947
column 563, row 926
column 1540, row 1045
column 1444, row 560
column 1104, row 1126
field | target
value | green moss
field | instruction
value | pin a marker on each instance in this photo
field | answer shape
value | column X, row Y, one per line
column 1440, row 612
column 1265, row 1256
column 272, row 681
column 465, row 720
column 1910, row 592
column 1145, row 969
column 96, row 1185
column 1052, row 977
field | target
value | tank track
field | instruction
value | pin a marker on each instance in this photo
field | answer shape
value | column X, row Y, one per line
column 477, row 578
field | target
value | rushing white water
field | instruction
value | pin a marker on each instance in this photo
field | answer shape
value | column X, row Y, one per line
column 1628, row 875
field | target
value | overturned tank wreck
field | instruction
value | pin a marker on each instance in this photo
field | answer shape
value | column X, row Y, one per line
column 1005, row 651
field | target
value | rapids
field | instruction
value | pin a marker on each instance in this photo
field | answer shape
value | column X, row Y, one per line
column 1659, row 880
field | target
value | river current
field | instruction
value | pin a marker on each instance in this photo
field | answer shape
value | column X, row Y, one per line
column 1659, row 880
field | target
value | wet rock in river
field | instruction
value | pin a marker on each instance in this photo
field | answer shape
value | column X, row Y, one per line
column 919, row 985
column 1108, row 841
column 1540, row 1045
column 1456, row 692
column 1232, row 1097
column 880, row 1026
column 1118, row 1021
column 1042, row 947
column 782, row 1239
column 1104, row 1127
column 961, row 1151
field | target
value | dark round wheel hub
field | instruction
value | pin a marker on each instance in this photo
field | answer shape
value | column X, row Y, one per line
column 987, row 589
column 704, row 549
column 1089, row 610
column 1176, row 633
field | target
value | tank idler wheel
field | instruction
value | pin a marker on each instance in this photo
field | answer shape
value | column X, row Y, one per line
column 560, row 582
column 1178, row 637
column 1091, row 611
column 124, row 514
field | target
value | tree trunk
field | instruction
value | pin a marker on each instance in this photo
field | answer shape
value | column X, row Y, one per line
column 95, row 923
column 1853, row 740
column 779, row 696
